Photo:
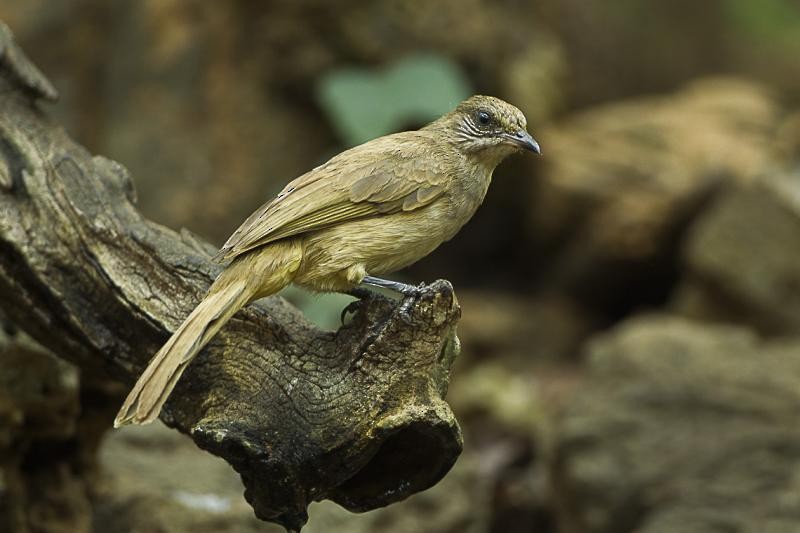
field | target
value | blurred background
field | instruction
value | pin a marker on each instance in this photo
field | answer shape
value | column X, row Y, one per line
column 631, row 299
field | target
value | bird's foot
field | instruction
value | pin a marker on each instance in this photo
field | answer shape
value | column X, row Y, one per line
column 410, row 300
column 410, row 293
column 408, row 303
column 361, row 294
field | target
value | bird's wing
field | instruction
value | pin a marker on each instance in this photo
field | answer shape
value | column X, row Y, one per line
column 371, row 182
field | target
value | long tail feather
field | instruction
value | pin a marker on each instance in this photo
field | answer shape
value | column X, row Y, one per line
column 154, row 386
column 250, row 276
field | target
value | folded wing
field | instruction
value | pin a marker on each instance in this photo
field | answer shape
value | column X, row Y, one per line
column 369, row 184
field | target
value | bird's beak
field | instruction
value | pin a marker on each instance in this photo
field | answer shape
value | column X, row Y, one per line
column 522, row 139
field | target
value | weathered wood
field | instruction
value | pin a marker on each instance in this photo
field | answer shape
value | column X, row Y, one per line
column 356, row 415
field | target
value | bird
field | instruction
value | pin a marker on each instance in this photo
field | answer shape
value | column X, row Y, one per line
column 368, row 211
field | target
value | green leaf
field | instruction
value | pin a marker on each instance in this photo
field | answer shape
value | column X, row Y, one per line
column 773, row 20
column 364, row 104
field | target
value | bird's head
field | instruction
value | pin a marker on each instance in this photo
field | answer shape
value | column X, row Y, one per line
column 488, row 128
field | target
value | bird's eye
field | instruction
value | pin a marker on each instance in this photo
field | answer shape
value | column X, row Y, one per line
column 484, row 118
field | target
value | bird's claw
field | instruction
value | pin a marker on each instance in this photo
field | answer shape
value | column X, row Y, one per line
column 352, row 307
column 412, row 291
column 410, row 296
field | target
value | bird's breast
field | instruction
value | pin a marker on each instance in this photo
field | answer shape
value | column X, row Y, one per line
column 381, row 244
column 387, row 243
column 465, row 196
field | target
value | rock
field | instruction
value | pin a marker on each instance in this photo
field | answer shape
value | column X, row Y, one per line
column 682, row 427
column 51, row 423
column 157, row 480
column 43, row 488
column 742, row 263
column 622, row 182
column 507, row 327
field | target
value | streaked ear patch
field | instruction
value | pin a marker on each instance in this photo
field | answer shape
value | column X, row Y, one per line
column 501, row 115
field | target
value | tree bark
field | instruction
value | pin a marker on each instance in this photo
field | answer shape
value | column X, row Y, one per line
column 356, row 415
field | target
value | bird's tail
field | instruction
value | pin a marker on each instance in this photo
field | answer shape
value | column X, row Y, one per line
column 154, row 386
column 252, row 276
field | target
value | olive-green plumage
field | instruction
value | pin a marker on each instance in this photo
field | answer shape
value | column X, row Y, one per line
column 370, row 210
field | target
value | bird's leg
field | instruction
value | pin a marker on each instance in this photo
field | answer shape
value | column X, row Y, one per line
column 402, row 288
column 409, row 292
